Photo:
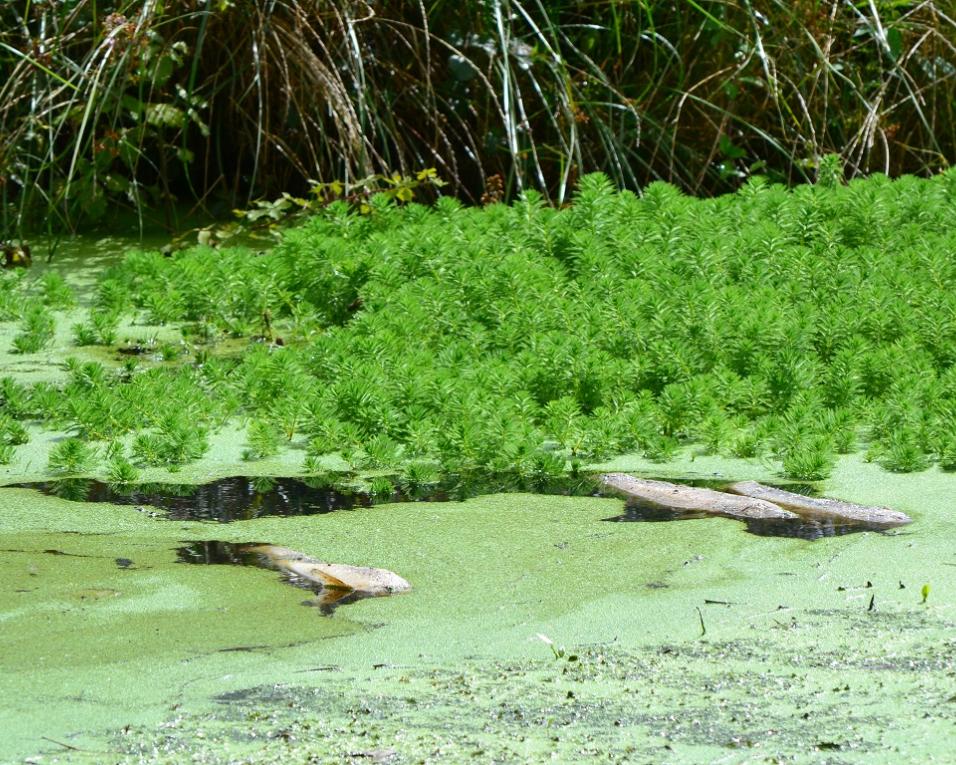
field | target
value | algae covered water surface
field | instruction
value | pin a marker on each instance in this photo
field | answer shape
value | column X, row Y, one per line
column 670, row 642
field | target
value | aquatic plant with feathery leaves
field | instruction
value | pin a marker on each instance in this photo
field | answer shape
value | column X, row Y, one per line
column 72, row 457
column 499, row 340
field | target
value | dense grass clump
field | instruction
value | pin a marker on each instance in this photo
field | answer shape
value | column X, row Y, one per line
column 793, row 325
column 108, row 105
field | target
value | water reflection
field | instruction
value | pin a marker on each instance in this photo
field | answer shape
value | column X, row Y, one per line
column 242, row 498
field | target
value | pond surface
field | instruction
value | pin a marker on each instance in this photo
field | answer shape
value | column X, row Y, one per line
column 111, row 646
column 691, row 635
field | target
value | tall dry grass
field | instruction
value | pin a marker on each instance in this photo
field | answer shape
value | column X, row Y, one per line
column 141, row 104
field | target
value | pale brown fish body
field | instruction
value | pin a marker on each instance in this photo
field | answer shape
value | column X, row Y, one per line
column 337, row 576
column 676, row 496
column 821, row 507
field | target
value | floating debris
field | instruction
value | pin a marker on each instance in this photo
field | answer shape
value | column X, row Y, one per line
column 678, row 497
column 821, row 507
column 334, row 584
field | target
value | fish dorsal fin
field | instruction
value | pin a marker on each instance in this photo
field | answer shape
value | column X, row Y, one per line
column 319, row 574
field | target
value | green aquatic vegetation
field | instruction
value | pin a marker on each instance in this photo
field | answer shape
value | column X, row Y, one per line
column 170, row 351
column 176, row 441
column 36, row 329
column 355, row 458
column 381, row 487
column 112, row 296
column 104, row 324
column 263, row 439
column 713, row 432
column 903, row 454
column 121, row 472
column 315, row 468
column 55, row 291
column 12, row 432
column 72, row 456
column 565, row 423
column 417, row 476
column 661, row 448
column 809, row 460
column 263, row 484
column 182, row 440
column 518, row 339
column 99, row 329
column 381, row 451
column 14, row 398
column 162, row 307
column 330, row 436
column 947, row 452
column 746, row 444
column 147, row 449
column 11, row 294
column 84, row 334
column 72, row 489
column 841, row 426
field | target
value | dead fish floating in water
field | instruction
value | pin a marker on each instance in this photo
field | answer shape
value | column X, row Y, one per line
column 334, row 584
column 368, row 582
column 751, row 500
column 821, row 507
column 675, row 496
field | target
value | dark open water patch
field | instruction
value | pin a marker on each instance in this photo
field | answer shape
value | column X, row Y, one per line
column 228, row 499
column 243, row 498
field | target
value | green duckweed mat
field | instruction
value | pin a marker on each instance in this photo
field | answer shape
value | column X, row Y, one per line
column 688, row 641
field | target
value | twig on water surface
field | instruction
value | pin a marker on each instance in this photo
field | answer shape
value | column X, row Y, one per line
column 76, row 748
